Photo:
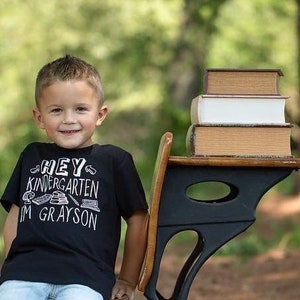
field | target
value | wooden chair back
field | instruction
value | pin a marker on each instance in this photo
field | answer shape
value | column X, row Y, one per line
column 154, row 200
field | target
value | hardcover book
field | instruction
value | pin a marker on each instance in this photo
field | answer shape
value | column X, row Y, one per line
column 239, row 140
column 242, row 81
column 238, row 109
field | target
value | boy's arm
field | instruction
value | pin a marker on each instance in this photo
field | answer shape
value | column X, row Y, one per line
column 10, row 228
column 133, row 257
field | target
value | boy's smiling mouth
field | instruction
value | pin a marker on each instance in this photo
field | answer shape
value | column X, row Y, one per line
column 69, row 132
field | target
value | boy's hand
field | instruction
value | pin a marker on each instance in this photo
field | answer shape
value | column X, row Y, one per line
column 123, row 290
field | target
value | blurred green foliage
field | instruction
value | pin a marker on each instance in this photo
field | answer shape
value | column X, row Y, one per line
column 151, row 56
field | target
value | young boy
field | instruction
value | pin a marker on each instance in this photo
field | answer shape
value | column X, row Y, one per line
column 66, row 198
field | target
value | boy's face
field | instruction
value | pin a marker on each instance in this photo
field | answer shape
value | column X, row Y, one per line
column 69, row 111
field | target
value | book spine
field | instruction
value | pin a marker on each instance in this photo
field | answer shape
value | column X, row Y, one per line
column 194, row 111
column 190, row 140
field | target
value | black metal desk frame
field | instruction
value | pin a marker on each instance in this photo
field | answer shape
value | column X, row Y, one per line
column 214, row 222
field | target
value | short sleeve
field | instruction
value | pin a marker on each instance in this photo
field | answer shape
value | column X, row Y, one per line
column 129, row 190
column 11, row 193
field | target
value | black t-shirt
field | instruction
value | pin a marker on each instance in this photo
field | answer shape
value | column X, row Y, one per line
column 71, row 203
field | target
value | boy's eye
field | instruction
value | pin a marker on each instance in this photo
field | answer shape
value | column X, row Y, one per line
column 81, row 108
column 55, row 110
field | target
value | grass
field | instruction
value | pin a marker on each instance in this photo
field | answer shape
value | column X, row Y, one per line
column 252, row 243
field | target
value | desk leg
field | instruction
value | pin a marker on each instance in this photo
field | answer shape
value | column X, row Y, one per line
column 215, row 223
column 210, row 238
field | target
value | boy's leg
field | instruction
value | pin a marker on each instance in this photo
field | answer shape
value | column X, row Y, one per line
column 76, row 292
column 23, row 290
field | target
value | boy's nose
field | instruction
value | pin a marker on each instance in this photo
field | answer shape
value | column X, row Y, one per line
column 69, row 118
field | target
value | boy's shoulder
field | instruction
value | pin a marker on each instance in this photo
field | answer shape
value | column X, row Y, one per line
column 110, row 150
column 36, row 145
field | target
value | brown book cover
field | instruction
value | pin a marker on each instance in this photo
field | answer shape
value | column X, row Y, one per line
column 242, row 81
column 239, row 140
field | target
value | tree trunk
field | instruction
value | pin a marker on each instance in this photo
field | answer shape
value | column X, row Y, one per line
column 185, row 74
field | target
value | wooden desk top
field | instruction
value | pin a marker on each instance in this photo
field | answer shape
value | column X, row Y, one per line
column 224, row 161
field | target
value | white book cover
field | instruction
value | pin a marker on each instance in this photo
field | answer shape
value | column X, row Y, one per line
column 238, row 109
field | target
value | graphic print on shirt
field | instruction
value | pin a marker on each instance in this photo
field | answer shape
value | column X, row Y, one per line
column 62, row 191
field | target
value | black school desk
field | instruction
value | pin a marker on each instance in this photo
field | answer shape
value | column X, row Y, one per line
column 215, row 222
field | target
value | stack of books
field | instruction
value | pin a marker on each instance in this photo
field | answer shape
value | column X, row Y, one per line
column 241, row 113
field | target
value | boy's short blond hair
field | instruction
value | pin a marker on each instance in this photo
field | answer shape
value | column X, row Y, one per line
column 68, row 68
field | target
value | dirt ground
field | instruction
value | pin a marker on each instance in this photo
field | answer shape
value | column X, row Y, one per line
column 274, row 275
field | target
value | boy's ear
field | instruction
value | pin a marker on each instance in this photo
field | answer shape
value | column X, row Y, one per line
column 38, row 118
column 102, row 115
